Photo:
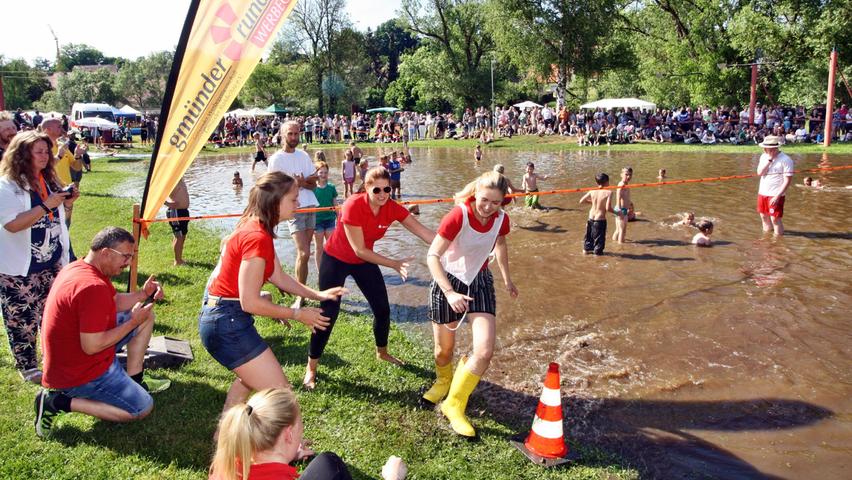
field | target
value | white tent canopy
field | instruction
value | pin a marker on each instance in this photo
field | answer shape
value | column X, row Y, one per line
column 259, row 112
column 238, row 113
column 128, row 110
column 610, row 103
column 526, row 104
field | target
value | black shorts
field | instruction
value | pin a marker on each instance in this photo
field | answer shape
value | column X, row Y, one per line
column 181, row 227
column 260, row 157
column 481, row 290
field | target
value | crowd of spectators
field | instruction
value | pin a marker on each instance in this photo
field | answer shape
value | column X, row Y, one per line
column 698, row 125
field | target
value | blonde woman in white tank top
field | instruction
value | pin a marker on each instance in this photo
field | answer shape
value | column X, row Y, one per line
column 463, row 289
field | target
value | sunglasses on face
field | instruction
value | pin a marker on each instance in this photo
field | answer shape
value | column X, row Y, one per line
column 376, row 190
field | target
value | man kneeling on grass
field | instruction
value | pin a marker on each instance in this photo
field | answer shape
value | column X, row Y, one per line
column 85, row 323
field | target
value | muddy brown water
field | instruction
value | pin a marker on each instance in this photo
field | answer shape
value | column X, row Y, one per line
column 726, row 362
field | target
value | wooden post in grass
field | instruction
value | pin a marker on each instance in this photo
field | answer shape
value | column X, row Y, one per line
column 134, row 262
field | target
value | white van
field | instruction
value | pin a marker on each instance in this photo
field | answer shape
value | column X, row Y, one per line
column 85, row 110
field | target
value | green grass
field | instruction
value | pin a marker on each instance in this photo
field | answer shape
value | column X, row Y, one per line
column 548, row 144
column 364, row 410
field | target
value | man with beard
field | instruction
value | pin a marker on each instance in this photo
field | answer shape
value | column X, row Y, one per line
column 8, row 130
column 298, row 165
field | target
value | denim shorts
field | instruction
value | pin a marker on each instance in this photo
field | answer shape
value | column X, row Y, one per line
column 302, row 222
column 325, row 225
column 228, row 334
column 115, row 387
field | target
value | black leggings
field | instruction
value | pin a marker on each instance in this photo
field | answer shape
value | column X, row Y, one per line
column 368, row 277
column 326, row 466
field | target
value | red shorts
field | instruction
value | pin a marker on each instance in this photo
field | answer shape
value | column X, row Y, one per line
column 764, row 208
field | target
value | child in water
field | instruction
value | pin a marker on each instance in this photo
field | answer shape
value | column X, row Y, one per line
column 702, row 238
column 601, row 201
column 620, row 205
column 530, row 185
column 237, row 181
column 688, row 219
column 810, row 182
column 348, row 171
column 326, row 196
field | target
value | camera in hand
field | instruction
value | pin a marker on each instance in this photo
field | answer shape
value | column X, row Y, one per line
column 68, row 191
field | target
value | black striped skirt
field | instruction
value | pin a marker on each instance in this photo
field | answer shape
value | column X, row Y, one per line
column 481, row 290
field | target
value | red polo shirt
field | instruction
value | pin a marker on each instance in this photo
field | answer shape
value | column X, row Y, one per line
column 356, row 212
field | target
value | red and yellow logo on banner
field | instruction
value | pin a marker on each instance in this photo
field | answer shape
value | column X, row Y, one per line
column 224, row 46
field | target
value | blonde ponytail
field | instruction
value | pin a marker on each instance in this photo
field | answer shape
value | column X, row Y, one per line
column 251, row 427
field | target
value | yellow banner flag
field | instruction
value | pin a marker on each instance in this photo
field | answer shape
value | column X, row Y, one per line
column 221, row 44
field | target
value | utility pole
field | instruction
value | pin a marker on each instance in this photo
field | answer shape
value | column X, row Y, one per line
column 829, row 102
column 493, row 120
column 55, row 39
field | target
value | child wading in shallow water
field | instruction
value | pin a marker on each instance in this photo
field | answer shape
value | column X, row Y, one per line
column 463, row 287
column 530, row 185
column 601, row 201
column 620, row 205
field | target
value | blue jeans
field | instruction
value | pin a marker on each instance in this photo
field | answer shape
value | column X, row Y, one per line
column 115, row 387
column 228, row 333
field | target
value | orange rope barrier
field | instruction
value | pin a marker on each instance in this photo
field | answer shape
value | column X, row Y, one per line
column 521, row 194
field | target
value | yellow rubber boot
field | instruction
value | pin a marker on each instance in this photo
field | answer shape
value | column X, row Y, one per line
column 464, row 382
column 442, row 384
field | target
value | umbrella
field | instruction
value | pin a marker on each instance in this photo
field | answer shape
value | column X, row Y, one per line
column 276, row 108
column 527, row 104
column 96, row 122
column 239, row 113
column 383, row 109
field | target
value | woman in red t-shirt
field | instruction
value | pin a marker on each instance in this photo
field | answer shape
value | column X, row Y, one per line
column 260, row 438
column 463, row 288
column 233, row 293
column 365, row 218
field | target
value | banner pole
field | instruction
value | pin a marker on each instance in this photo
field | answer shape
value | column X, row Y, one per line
column 137, row 236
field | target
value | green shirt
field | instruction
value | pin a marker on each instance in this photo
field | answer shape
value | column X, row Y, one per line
column 325, row 197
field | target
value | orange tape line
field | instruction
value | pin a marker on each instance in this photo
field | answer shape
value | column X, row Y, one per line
column 512, row 195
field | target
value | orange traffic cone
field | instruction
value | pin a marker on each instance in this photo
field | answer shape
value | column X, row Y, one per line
column 545, row 445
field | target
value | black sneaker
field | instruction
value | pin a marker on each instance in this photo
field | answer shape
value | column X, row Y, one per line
column 45, row 412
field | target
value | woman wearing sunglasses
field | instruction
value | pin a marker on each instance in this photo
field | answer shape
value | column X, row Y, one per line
column 365, row 218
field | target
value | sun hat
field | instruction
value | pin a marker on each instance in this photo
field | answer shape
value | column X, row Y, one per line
column 771, row 141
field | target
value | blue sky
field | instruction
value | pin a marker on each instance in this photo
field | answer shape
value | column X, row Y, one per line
column 123, row 28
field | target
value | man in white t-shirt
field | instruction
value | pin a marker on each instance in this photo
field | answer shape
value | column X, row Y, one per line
column 298, row 165
column 776, row 173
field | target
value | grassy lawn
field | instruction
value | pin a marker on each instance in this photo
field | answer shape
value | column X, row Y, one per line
column 548, row 144
column 364, row 410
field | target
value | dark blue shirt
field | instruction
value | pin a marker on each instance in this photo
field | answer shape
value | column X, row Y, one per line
column 45, row 248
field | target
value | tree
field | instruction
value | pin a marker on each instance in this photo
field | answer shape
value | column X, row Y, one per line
column 22, row 84
column 265, row 86
column 314, row 29
column 553, row 37
column 71, row 55
column 81, row 86
column 454, row 29
column 142, row 82
column 384, row 47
